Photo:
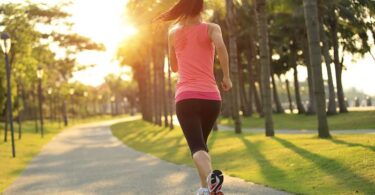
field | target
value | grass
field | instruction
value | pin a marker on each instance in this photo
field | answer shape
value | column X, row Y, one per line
column 300, row 164
column 347, row 121
column 26, row 148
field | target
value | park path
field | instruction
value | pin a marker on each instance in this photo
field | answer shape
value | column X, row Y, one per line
column 88, row 159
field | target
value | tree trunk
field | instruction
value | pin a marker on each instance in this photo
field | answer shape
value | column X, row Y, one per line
column 289, row 96
column 338, row 65
column 300, row 107
column 312, row 26
column 19, row 111
column 149, row 88
column 244, row 103
column 261, row 16
column 258, row 102
column 279, row 108
column 155, row 88
column 164, row 96
column 65, row 114
column 250, row 62
column 170, row 99
column 328, row 60
column 233, row 64
column 311, row 109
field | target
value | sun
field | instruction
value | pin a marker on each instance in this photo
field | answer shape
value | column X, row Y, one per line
column 104, row 22
column 129, row 31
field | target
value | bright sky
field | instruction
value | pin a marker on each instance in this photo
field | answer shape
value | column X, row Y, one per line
column 105, row 22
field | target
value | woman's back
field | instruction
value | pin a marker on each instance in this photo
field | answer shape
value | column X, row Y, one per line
column 195, row 58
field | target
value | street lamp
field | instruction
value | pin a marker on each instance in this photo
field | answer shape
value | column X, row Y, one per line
column 5, row 45
column 39, row 74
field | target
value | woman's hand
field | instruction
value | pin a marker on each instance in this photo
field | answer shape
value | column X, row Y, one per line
column 226, row 84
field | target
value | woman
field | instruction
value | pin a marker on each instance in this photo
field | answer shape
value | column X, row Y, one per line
column 192, row 46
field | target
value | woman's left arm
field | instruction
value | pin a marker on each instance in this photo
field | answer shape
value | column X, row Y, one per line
column 172, row 52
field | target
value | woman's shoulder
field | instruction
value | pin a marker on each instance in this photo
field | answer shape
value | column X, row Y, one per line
column 212, row 25
column 172, row 30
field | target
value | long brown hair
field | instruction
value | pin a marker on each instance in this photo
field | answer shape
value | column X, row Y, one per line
column 181, row 10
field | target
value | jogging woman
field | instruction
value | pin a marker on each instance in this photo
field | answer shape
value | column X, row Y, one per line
column 192, row 44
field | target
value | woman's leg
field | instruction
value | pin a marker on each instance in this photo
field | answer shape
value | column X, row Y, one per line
column 210, row 110
column 189, row 117
column 209, row 113
column 202, row 161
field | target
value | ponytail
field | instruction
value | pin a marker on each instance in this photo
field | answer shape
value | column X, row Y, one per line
column 182, row 10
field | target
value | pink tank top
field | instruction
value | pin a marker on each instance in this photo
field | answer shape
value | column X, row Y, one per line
column 195, row 57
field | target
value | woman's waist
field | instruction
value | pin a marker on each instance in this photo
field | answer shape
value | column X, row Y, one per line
column 197, row 95
column 203, row 87
column 198, row 85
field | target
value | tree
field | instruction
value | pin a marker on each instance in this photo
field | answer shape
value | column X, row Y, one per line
column 312, row 26
column 233, row 64
column 261, row 16
column 328, row 60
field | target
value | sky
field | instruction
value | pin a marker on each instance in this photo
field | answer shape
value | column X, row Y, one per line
column 106, row 22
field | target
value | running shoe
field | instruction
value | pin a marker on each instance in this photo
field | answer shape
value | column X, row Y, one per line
column 203, row 191
column 215, row 182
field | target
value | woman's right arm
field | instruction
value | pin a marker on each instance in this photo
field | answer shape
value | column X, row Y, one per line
column 172, row 52
column 217, row 38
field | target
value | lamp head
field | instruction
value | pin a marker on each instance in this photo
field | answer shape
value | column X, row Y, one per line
column 49, row 91
column 5, row 42
column 58, row 84
column 40, row 72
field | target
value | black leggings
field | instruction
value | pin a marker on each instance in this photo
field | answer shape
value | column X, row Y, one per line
column 197, row 118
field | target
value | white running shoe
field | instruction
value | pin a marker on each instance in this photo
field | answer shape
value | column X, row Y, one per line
column 203, row 191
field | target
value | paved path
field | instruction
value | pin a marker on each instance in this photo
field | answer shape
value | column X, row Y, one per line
column 87, row 159
column 289, row 131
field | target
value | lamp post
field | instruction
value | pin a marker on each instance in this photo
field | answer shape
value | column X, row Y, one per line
column 5, row 45
column 113, row 99
column 100, row 106
column 85, row 104
column 125, row 105
column 71, row 92
column 39, row 74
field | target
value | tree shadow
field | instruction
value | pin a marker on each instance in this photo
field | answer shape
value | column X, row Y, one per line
column 331, row 167
column 270, row 172
column 337, row 141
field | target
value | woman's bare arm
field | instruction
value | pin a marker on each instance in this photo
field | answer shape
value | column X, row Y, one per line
column 172, row 54
column 217, row 38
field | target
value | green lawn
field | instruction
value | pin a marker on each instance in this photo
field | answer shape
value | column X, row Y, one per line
column 26, row 148
column 351, row 120
column 295, row 163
